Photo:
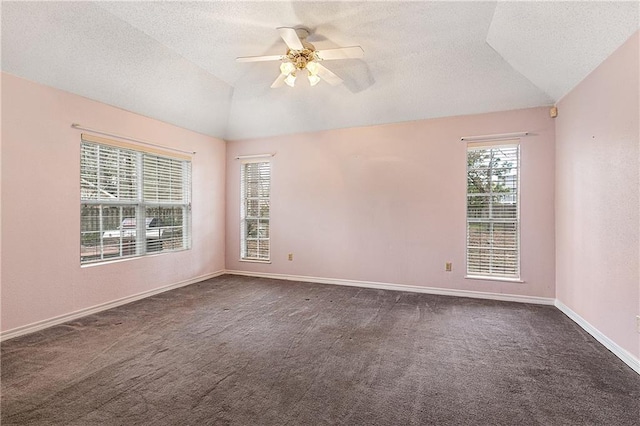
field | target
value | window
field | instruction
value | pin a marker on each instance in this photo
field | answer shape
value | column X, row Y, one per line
column 493, row 213
column 132, row 202
column 254, row 210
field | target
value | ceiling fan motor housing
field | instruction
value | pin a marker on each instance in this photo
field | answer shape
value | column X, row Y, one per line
column 300, row 58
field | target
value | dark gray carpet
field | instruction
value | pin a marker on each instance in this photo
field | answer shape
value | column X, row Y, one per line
column 246, row 351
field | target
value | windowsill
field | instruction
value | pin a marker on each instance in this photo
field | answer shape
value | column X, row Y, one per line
column 129, row 258
column 490, row 278
column 254, row 261
column 118, row 260
column 108, row 262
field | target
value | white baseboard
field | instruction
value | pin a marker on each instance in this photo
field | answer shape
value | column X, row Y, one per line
column 40, row 325
column 618, row 351
column 403, row 287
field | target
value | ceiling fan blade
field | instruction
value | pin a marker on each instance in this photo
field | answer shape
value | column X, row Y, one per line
column 328, row 76
column 259, row 58
column 341, row 53
column 279, row 81
column 291, row 38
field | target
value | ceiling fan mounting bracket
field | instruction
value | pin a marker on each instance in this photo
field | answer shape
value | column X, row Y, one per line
column 302, row 32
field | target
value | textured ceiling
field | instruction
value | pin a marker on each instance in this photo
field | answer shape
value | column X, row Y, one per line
column 175, row 61
column 572, row 42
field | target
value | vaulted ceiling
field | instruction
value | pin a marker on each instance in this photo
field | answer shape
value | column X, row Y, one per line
column 175, row 61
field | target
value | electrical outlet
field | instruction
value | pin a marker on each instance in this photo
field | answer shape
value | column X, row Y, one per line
column 290, row 256
column 448, row 266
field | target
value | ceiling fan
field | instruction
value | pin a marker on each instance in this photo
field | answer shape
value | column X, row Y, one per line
column 302, row 56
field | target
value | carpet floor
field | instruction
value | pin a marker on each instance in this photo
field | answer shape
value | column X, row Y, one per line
column 249, row 351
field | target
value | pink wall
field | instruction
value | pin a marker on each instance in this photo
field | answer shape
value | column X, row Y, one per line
column 41, row 273
column 597, row 198
column 387, row 203
column 382, row 203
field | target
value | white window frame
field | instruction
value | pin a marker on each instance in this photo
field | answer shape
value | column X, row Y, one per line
column 139, row 203
column 515, row 277
column 244, row 238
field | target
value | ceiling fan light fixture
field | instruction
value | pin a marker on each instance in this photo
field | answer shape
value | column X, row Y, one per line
column 312, row 66
column 287, row 68
column 291, row 79
column 313, row 79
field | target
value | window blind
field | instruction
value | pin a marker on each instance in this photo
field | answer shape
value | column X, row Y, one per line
column 167, row 197
column 166, row 180
column 493, row 213
column 108, row 173
column 255, row 188
column 132, row 202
